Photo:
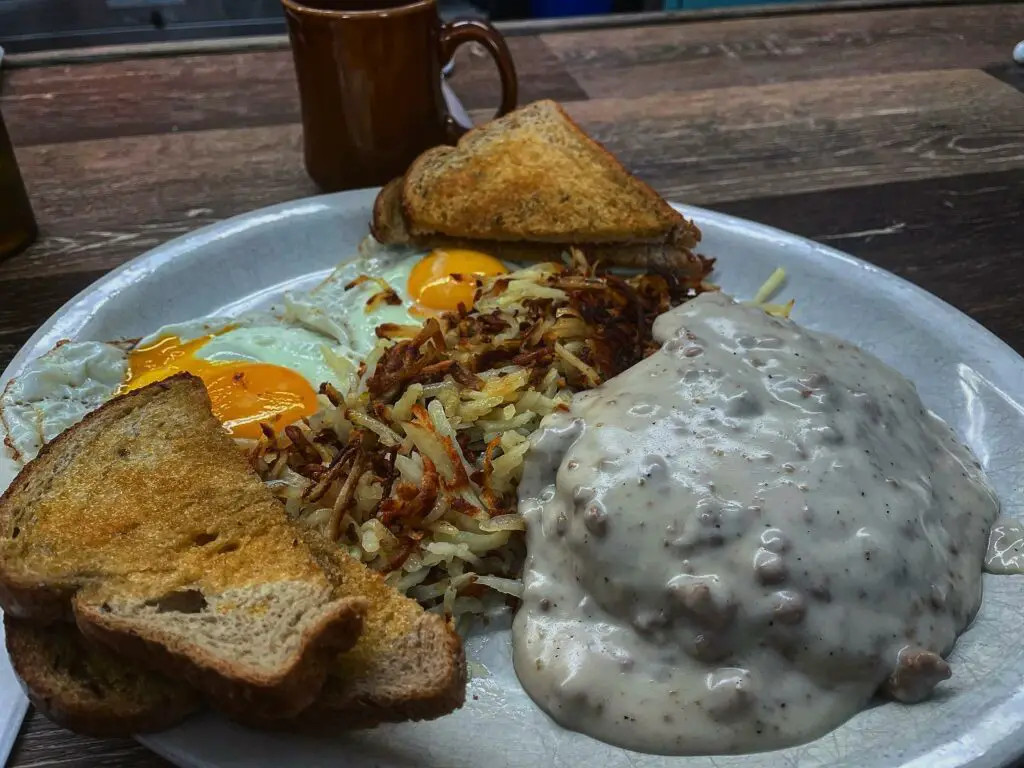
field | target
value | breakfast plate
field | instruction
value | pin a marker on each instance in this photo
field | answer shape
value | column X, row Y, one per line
column 963, row 373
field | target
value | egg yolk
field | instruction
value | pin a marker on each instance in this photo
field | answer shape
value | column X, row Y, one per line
column 446, row 278
column 243, row 394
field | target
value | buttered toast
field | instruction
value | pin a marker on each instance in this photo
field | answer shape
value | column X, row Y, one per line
column 145, row 525
column 528, row 185
column 407, row 665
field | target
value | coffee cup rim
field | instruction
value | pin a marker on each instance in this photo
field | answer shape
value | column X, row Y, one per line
column 300, row 8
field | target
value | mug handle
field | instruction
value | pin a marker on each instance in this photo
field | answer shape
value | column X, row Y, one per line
column 462, row 31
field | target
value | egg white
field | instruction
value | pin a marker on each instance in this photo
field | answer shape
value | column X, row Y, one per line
column 342, row 313
column 58, row 390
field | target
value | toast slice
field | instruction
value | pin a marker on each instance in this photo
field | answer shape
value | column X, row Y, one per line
column 146, row 526
column 528, row 185
column 407, row 665
column 92, row 690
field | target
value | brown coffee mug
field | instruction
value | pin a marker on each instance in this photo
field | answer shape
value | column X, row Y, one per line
column 17, row 224
column 369, row 74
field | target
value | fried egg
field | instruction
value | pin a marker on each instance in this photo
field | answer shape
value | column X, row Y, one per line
column 257, row 367
column 253, row 373
column 424, row 284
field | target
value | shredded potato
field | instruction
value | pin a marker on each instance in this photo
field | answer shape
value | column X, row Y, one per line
column 413, row 470
column 767, row 290
column 771, row 285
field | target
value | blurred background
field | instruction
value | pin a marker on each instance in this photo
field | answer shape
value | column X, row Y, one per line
column 32, row 25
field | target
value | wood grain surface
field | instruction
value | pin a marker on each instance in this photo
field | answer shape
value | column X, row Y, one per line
column 896, row 135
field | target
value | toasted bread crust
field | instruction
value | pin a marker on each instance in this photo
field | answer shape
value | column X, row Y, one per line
column 388, row 223
column 58, row 672
column 88, row 721
column 26, row 599
column 29, row 592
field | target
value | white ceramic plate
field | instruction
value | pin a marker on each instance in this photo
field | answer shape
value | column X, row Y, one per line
column 963, row 372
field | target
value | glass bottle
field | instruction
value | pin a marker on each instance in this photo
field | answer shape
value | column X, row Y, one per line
column 17, row 224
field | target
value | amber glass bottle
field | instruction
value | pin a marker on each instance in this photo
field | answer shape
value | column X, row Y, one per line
column 17, row 224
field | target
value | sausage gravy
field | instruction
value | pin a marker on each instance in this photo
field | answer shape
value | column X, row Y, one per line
column 735, row 543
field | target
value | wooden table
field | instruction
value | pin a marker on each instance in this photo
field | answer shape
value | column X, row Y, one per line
column 895, row 134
